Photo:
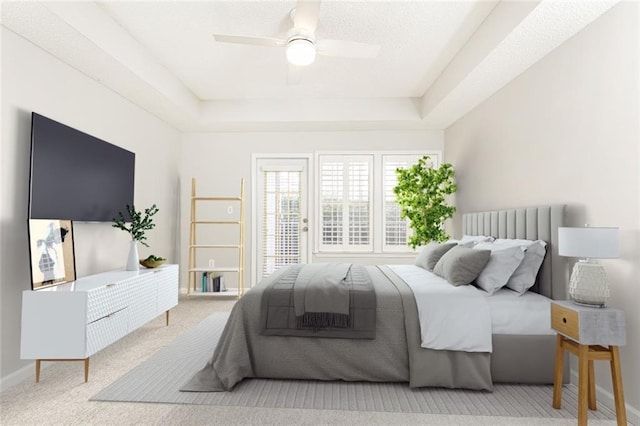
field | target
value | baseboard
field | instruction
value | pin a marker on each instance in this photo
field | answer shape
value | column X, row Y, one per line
column 605, row 397
column 26, row 372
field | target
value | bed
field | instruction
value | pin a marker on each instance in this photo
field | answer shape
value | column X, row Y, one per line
column 395, row 354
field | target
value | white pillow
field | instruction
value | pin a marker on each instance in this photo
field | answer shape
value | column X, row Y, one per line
column 524, row 276
column 471, row 240
column 502, row 264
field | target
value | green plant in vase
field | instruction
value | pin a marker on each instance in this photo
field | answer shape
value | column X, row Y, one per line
column 420, row 193
column 140, row 223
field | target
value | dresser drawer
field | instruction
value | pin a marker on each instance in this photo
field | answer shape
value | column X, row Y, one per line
column 142, row 306
column 167, row 288
column 566, row 321
column 104, row 331
column 103, row 301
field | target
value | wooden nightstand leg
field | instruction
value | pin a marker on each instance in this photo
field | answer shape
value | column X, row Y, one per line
column 592, row 387
column 167, row 315
column 583, row 383
column 618, row 393
column 37, row 370
column 557, row 378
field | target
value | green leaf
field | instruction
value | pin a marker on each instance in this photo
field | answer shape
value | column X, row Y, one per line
column 140, row 223
column 420, row 193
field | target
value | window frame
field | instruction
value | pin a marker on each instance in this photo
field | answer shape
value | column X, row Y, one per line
column 345, row 159
column 377, row 194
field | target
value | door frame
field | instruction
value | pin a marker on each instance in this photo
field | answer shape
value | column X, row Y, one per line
column 254, row 205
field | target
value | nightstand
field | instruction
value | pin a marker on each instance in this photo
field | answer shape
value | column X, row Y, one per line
column 591, row 334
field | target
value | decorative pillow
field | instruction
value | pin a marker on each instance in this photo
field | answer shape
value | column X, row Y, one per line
column 431, row 253
column 525, row 275
column 472, row 240
column 461, row 265
column 502, row 264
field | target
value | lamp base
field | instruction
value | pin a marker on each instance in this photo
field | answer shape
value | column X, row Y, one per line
column 589, row 305
column 588, row 285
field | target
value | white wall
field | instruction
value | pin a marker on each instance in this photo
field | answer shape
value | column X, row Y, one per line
column 568, row 131
column 219, row 160
column 33, row 80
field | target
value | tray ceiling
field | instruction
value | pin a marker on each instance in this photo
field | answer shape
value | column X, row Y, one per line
column 437, row 60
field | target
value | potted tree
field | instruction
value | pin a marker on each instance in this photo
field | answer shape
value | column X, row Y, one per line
column 420, row 193
column 140, row 223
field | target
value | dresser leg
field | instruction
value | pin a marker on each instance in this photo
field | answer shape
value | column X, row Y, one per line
column 167, row 315
column 86, row 369
column 86, row 366
column 37, row 370
column 557, row 378
column 592, row 387
column 583, row 384
column 618, row 393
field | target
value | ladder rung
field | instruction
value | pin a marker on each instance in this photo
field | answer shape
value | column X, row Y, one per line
column 214, row 246
column 217, row 222
column 216, row 198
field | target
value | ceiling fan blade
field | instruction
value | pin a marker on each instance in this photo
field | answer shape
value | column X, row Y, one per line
column 306, row 15
column 347, row 49
column 256, row 41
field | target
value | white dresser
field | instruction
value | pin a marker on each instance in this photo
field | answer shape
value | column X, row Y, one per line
column 72, row 321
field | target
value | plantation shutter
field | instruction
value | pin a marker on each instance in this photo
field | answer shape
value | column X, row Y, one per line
column 345, row 203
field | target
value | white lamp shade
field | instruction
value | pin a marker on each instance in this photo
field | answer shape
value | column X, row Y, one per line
column 301, row 52
column 588, row 242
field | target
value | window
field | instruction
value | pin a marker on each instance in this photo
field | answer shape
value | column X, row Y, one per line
column 358, row 212
column 345, row 203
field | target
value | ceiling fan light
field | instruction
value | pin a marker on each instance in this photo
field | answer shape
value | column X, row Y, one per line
column 301, row 52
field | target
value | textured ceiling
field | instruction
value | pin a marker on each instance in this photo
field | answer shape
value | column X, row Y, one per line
column 438, row 59
column 414, row 37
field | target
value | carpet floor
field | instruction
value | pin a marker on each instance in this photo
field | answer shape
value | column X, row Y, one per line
column 159, row 379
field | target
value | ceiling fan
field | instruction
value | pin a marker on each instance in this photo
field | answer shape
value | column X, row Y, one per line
column 300, row 41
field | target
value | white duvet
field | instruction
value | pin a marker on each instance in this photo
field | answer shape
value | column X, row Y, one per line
column 451, row 318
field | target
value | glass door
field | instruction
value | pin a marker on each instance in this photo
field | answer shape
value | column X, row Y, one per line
column 282, row 222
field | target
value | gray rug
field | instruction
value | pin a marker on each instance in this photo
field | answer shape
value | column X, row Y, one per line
column 159, row 379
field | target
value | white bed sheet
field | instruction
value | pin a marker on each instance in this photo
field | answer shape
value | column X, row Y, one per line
column 526, row 314
column 451, row 318
column 444, row 306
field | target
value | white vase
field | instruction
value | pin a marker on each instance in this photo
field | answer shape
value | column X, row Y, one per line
column 133, row 262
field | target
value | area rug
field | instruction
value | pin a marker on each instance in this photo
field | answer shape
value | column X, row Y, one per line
column 159, row 379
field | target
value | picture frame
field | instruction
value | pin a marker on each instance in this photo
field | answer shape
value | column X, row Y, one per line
column 51, row 252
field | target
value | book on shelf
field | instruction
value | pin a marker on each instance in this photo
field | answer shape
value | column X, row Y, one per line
column 212, row 283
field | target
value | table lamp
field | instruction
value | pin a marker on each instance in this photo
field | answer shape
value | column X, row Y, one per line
column 588, row 284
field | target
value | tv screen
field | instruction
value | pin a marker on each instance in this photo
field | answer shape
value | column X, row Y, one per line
column 76, row 176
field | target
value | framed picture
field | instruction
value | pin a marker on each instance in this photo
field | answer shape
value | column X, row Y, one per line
column 51, row 252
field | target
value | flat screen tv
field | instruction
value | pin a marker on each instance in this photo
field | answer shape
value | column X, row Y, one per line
column 76, row 176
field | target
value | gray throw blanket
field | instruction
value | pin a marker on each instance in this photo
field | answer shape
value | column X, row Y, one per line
column 321, row 296
column 320, row 300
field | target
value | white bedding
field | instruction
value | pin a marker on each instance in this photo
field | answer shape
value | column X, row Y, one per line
column 526, row 314
column 464, row 318
column 462, row 312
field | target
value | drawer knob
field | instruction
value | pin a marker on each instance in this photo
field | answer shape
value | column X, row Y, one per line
column 564, row 320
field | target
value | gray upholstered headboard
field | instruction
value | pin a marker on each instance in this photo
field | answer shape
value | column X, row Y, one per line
column 531, row 223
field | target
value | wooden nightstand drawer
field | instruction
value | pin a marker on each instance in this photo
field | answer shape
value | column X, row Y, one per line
column 566, row 321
